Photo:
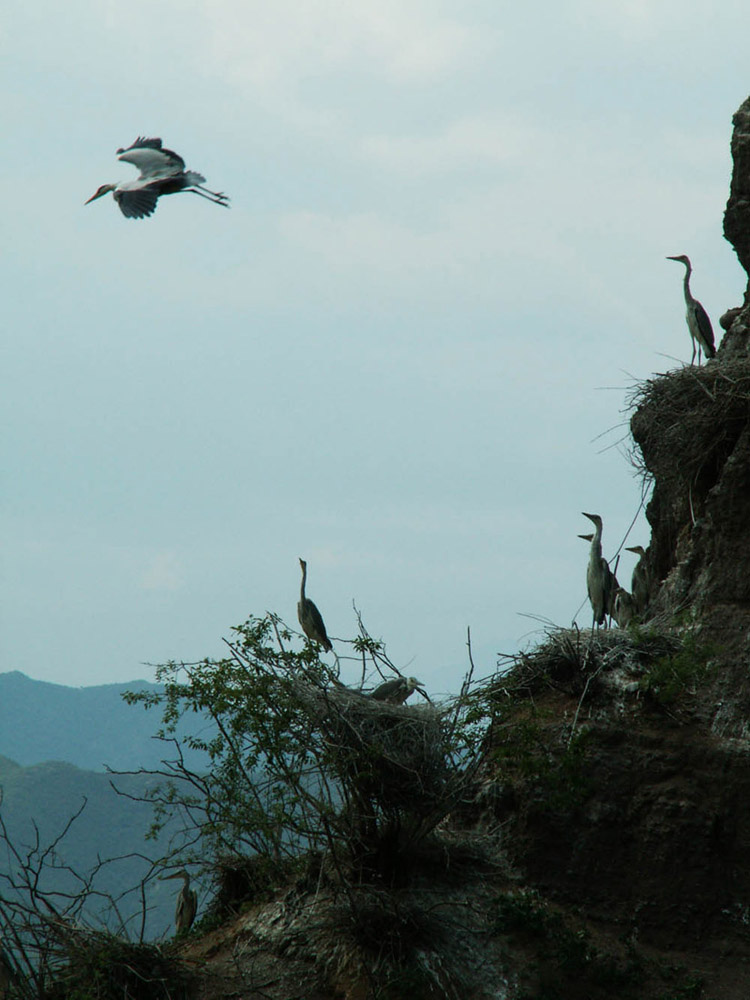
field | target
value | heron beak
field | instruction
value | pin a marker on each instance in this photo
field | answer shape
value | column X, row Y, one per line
column 591, row 517
column 99, row 192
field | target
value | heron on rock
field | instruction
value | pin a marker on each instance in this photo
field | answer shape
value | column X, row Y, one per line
column 309, row 617
column 187, row 902
column 162, row 172
column 699, row 325
column 600, row 581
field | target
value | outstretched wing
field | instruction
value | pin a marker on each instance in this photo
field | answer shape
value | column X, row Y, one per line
column 151, row 159
column 137, row 204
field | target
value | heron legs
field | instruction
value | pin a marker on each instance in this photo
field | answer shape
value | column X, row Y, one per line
column 215, row 196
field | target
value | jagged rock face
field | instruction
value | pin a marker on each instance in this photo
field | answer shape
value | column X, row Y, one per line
column 693, row 430
column 645, row 825
column 737, row 226
column 658, row 842
column 623, row 800
column 737, row 215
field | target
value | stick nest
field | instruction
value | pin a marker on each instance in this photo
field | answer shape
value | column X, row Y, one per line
column 569, row 657
column 687, row 421
column 103, row 966
column 396, row 753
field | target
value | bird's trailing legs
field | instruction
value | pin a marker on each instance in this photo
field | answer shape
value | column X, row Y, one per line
column 215, row 196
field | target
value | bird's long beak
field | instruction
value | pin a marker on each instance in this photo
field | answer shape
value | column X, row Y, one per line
column 105, row 189
column 591, row 517
column 586, row 538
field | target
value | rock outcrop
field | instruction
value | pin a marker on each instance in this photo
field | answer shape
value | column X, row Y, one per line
column 637, row 814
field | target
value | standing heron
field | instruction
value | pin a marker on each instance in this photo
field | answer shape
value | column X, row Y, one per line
column 162, row 172
column 187, row 902
column 599, row 578
column 641, row 581
column 396, row 692
column 309, row 617
column 610, row 608
column 699, row 325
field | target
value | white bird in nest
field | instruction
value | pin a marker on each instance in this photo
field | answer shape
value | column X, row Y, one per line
column 396, row 692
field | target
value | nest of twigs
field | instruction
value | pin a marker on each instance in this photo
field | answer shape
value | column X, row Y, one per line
column 570, row 659
column 102, row 966
column 395, row 753
column 688, row 421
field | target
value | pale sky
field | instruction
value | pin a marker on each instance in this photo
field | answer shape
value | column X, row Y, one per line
column 397, row 353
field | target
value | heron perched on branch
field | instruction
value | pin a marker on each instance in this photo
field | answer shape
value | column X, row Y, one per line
column 641, row 580
column 396, row 692
column 699, row 325
column 187, row 902
column 309, row 617
column 600, row 581
column 162, row 172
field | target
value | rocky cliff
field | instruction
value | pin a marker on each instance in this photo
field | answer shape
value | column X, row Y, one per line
column 653, row 843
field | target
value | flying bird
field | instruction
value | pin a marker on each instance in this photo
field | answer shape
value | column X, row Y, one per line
column 187, row 902
column 699, row 325
column 309, row 617
column 162, row 172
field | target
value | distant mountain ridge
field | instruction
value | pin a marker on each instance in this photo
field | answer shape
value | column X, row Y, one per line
column 56, row 744
column 90, row 727
column 44, row 797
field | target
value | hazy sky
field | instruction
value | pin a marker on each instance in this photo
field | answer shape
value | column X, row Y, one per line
column 398, row 355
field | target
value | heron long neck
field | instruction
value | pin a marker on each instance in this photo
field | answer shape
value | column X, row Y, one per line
column 596, row 543
column 686, row 284
column 302, row 587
